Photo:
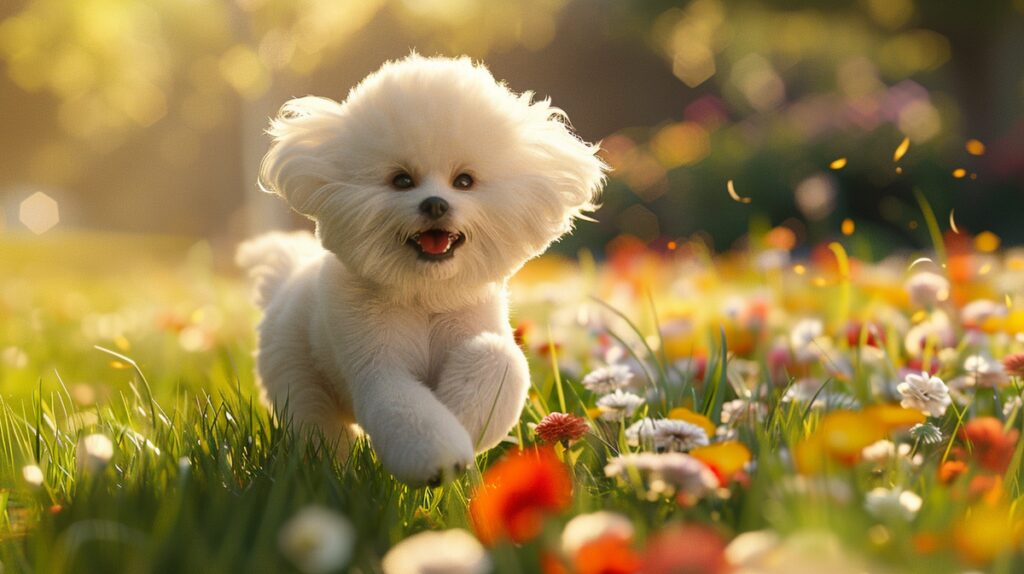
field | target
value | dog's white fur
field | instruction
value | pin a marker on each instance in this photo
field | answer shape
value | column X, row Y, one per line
column 358, row 331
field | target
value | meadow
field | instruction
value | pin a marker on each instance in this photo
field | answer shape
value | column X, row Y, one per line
column 778, row 408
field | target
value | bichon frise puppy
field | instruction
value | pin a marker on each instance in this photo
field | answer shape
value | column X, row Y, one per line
column 430, row 186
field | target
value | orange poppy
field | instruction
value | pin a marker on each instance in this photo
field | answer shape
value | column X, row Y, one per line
column 517, row 493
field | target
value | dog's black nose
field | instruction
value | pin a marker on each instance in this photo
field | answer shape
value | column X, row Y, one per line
column 434, row 207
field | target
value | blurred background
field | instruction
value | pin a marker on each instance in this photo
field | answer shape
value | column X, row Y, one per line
column 147, row 116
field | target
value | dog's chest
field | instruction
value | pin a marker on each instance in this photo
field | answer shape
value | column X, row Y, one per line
column 443, row 335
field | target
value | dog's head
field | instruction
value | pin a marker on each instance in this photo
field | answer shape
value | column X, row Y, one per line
column 431, row 174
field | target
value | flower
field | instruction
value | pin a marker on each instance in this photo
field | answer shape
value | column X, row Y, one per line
column 94, row 452
column 685, row 414
column 561, row 427
column 517, row 493
column 683, row 548
column 763, row 552
column 740, row 411
column 607, row 379
column 679, row 436
column 317, row 539
column 927, row 433
column 587, row 528
column 618, row 405
column 927, row 288
column 893, row 503
column 990, row 446
column 984, row 372
column 666, row 434
column 32, row 474
column 725, row 459
column 666, row 472
column 926, row 393
column 606, row 555
column 452, row 551
column 1014, row 364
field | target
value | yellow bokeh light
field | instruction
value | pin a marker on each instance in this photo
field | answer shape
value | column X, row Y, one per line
column 959, row 173
column 39, row 213
column 679, row 144
column 975, row 147
column 838, row 163
column 848, row 226
column 986, row 242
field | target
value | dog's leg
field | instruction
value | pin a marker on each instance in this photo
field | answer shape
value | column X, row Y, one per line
column 484, row 382
column 416, row 437
column 301, row 398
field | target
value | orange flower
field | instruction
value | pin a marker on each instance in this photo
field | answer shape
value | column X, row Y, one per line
column 561, row 427
column 951, row 470
column 516, row 494
column 990, row 446
column 685, row 549
column 606, row 555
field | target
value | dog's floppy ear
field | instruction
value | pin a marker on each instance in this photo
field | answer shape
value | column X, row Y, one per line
column 296, row 167
column 570, row 164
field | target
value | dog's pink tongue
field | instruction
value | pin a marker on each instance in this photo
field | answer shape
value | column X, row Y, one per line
column 434, row 242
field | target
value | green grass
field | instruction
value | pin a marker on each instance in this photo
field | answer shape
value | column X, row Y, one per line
column 153, row 348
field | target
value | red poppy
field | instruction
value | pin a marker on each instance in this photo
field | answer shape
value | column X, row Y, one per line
column 990, row 446
column 516, row 494
column 951, row 470
column 561, row 427
column 606, row 555
column 685, row 549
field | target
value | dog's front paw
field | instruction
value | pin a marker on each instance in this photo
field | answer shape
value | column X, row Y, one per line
column 431, row 458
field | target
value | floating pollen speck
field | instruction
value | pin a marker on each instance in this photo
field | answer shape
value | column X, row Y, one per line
column 901, row 150
column 975, row 147
column 799, row 269
column 952, row 222
column 959, row 173
column 732, row 193
column 848, row 226
column 985, row 269
column 899, row 169
column 839, row 163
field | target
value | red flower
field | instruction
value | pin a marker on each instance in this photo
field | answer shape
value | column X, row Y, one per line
column 951, row 470
column 1014, row 364
column 685, row 549
column 516, row 494
column 990, row 446
column 561, row 427
column 606, row 555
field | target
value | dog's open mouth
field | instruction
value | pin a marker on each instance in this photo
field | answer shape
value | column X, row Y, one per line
column 436, row 244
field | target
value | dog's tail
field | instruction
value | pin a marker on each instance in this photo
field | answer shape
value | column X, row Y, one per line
column 271, row 259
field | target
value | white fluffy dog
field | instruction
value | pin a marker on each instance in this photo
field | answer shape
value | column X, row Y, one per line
column 430, row 185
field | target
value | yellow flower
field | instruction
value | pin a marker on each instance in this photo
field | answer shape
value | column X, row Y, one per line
column 685, row 414
column 726, row 458
column 894, row 417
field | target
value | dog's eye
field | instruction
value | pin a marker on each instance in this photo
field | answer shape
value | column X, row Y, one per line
column 462, row 181
column 403, row 181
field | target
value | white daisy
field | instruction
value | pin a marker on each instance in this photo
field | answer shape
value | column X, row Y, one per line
column 618, row 405
column 317, row 540
column 893, row 503
column 666, row 434
column 666, row 472
column 925, row 393
column 608, row 379
column 452, row 551
column 927, row 288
